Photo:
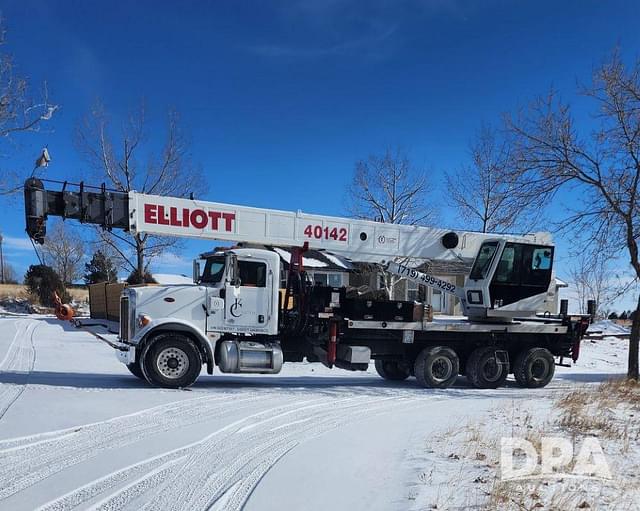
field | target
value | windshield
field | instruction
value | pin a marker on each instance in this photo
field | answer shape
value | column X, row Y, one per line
column 213, row 270
column 483, row 261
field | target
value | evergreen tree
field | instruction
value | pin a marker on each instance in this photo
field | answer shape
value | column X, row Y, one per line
column 100, row 269
column 136, row 278
column 613, row 315
column 42, row 281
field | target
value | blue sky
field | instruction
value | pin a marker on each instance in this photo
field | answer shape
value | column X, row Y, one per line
column 281, row 98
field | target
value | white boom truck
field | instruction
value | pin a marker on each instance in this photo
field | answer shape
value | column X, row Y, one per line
column 234, row 316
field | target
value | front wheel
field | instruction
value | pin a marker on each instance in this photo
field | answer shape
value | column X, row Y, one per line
column 172, row 360
column 534, row 368
column 392, row 370
column 437, row 367
column 135, row 370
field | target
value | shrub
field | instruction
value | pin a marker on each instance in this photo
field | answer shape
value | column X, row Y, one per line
column 42, row 281
column 136, row 278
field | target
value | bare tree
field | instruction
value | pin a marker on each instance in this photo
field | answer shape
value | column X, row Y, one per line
column 483, row 191
column 127, row 162
column 389, row 189
column 63, row 251
column 600, row 169
column 19, row 112
column 593, row 280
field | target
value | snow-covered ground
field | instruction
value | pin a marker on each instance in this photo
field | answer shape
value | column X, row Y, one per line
column 607, row 327
column 77, row 430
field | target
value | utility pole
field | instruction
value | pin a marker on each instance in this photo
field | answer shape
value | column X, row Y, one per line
column 1, row 262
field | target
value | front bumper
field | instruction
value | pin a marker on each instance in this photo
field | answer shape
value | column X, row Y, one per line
column 127, row 357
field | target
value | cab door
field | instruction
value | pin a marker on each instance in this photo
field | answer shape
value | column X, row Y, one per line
column 247, row 303
column 522, row 273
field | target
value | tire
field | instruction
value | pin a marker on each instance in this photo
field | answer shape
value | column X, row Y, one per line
column 172, row 361
column 437, row 367
column 135, row 370
column 534, row 368
column 392, row 370
column 484, row 371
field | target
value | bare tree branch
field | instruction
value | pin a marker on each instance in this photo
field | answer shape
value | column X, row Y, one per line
column 484, row 192
column 601, row 169
column 169, row 173
column 19, row 113
column 389, row 189
column 63, row 251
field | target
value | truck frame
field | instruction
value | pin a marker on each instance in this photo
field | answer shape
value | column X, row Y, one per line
column 236, row 317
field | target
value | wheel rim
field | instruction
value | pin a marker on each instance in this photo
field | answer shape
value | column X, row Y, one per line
column 172, row 363
column 539, row 369
column 441, row 369
column 491, row 370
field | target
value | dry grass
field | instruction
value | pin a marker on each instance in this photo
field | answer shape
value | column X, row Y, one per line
column 13, row 291
column 20, row 291
column 605, row 411
column 595, row 410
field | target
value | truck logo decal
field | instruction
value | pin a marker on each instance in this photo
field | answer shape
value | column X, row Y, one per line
column 236, row 308
column 184, row 217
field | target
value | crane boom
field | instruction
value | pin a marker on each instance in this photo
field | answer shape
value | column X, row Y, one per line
column 399, row 248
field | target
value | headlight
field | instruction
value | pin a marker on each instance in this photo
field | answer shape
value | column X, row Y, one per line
column 143, row 320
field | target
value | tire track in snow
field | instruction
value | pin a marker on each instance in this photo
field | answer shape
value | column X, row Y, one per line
column 230, row 462
column 20, row 357
column 143, row 468
column 248, row 469
column 47, row 454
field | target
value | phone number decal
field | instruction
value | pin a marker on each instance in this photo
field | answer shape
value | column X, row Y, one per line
column 418, row 276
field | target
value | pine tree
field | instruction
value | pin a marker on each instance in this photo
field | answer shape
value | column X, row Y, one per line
column 42, row 281
column 100, row 269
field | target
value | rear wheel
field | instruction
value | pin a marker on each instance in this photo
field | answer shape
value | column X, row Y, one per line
column 437, row 367
column 485, row 370
column 172, row 360
column 392, row 370
column 534, row 368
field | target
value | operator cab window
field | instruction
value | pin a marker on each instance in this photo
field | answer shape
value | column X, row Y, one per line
column 483, row 261
column 508, row 269
column 541, row 259
column 537, row 262
column 252, row 274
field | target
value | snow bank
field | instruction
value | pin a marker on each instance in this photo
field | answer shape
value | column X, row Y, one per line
column 608, row 327
column 16, row 306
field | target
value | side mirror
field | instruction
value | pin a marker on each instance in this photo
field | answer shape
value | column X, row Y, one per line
column 233, row 273
column 196, row 271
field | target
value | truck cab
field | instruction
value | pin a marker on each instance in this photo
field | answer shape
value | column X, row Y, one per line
column 242, row 291
column 235, row 297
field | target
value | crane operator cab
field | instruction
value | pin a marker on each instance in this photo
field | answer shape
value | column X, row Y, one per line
column 509, row 279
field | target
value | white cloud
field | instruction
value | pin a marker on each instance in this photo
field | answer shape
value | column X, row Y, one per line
column 13, row 243
column 171, row 260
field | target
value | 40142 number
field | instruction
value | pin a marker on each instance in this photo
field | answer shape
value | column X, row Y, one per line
column 325, row 233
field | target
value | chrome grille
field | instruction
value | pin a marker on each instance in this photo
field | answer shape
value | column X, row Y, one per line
column 124, row 318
